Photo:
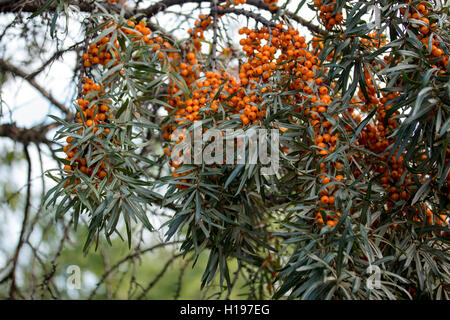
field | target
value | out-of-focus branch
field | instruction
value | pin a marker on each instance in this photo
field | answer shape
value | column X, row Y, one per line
column 35, row 134
column 159, row 275
column 15, row 260
column 48, row 277
column 55, row 56
column 7, row 66
column 164, row 4
column 127, row 258
column 312, row 27
column 32, row 6
column 249, row 14
column 180, row 278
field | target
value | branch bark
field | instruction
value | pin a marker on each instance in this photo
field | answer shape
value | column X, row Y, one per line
column 35, row 134
column 32, row 6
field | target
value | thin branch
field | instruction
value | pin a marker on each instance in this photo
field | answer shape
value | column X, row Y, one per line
column 164, row 4
column 13, row 289
column 312, row 27
column 130, row 256
column 180, row 278
column 107, row 265
column 32, row 6
column 36, row 134
column 5, row 65
column 233, row 283
column 48, row 277
column 248, row 14
column 55, row 56
column 159, row 275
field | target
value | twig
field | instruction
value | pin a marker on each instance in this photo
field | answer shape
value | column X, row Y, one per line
column 261, row 5
column 236, row 274
column 5, row 65
column 180, row 278
column 159, row 275
column 55, row 56
column 249, row 14
column 48, row 277
column 13, row 289
column 32, row 6
column 131, row 256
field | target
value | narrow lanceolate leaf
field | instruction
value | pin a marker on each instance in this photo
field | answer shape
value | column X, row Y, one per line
column 398, row 68
column 43, row 8
column 422, row 192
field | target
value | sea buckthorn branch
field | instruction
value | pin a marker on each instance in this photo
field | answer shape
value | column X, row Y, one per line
column 101, row 154
column 248, row 14
column 397, row 196
column 25, row 6
column 256, row 75
column 356, row 174
column 314, row 28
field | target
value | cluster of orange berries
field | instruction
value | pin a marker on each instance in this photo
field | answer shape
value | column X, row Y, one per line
column 97, row 54
column 201, row 102
column 303, row 70
column 94, row 109
column 394, row 177
column 375, row 40
column 90, row 116
column 325, row 142
column 326, row 9
column 143, row 33
column 229, row 3
column 420, row 13
column 197, row 34
column 97, row 113
column 436, row 54
column 261, row 47
column 272, row 4
column 375, row 137
column 285, row 52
